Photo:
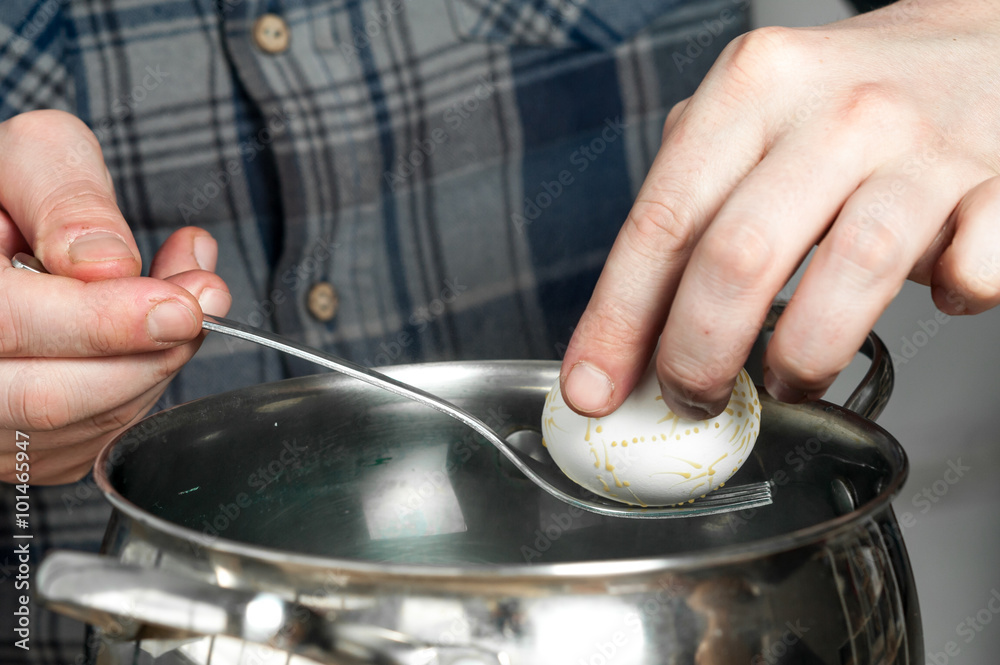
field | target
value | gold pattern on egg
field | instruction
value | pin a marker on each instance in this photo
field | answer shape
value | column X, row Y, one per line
column 550, row 422
column 608, row 466
column 618, row 483
column 605, row 485
column 636, row 496
column 711, row 467
column 686, row 475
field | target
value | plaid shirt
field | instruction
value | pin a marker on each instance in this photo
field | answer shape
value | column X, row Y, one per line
column 454, row 171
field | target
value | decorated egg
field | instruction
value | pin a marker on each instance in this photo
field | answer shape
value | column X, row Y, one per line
column 643, row 453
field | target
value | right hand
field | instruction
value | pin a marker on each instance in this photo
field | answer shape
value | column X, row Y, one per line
column 87, row 350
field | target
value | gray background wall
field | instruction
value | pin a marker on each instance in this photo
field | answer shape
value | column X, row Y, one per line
column 944, row 409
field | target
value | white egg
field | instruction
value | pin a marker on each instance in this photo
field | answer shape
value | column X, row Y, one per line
column 644, row 454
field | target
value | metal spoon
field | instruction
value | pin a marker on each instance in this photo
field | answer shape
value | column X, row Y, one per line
column 543, row 472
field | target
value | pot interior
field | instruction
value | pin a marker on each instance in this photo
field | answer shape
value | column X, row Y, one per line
column 325, row 465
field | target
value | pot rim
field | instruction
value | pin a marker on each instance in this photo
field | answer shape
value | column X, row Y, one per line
column 714, row 557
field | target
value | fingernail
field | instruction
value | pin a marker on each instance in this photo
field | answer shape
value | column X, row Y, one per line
column 587, row 389
column 781, row 391
column 215, row 301
column 689, row 408
column 205, row 252
column 170, row 321
column 97, row 247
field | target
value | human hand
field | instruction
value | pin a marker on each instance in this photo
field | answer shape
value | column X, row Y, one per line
column 876, row 139
column 87, row 350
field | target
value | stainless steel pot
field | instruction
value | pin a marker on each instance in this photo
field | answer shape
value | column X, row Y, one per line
column 319, row 520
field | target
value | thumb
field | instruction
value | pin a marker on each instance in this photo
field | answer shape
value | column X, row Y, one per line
column 58, row 196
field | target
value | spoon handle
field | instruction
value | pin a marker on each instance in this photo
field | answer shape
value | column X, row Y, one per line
column 370, row 376
column 285, row 345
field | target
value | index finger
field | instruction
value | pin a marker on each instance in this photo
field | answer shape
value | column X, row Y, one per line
column 702, row 158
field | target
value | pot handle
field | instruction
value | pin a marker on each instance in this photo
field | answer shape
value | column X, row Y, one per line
column 129, row 602
column 872, row 394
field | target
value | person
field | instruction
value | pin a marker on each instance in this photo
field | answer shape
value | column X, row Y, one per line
column 391, row 181
column 340, row 167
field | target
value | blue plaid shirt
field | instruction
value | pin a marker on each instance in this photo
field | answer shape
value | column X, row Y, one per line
column 444, row 177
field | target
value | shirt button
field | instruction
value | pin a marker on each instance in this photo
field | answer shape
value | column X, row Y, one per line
column 323, row 301
column 270, row 33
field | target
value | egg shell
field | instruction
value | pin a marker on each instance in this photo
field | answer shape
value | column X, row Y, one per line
column 646, row 455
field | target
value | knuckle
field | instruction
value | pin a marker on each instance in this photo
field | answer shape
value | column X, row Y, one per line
column 612, row 326
column 11, row 323
column 105, row 336
column 654, row 227
column 692, row 379
column 740, row 260
column 876, row 107
column 761, row 55
column 76, row 198
column 874, row 247
column 35, row 401
column 672, row 117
